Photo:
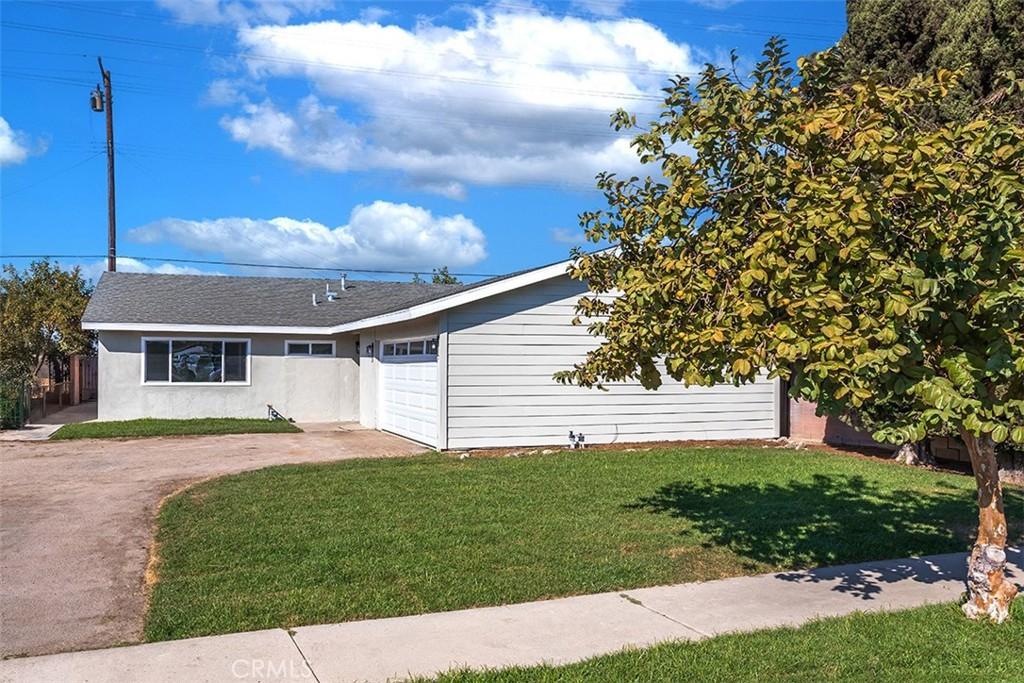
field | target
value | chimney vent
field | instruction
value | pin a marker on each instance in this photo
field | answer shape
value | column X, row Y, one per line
column 343, row 283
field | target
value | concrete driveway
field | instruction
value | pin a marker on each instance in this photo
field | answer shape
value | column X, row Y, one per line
column 76, row 523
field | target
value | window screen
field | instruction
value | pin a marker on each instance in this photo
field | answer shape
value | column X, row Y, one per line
column 298, row 349
column 235, row 354
column 157, row 367
column 323, row 349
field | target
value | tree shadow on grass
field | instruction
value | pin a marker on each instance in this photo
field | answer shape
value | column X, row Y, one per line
column 829, row 520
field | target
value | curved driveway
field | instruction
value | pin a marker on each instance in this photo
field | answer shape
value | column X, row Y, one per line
column 76, row 520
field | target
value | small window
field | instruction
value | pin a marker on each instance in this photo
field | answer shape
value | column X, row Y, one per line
column 309, row 348
column 235, row 354
column 414, row 347
column 158, row 368
column 326, row 349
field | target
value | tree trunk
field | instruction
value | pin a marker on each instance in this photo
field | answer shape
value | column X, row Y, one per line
column 988, row 592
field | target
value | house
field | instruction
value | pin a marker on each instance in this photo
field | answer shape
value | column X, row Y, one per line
column 451, row 366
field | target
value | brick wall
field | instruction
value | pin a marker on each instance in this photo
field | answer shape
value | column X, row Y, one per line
column 949, row 448
column 804, row 425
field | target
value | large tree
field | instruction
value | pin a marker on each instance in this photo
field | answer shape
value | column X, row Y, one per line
column 41, row 317
column 897, row 39
column 829, row 235
column 902, row 38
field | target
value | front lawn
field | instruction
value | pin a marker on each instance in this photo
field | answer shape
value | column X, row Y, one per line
column 306, row 544
column 924, row 645
column 151, row 427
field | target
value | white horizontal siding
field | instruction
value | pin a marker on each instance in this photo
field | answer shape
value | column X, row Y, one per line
column 503, row 351
column 596, row 412
column 530, row 388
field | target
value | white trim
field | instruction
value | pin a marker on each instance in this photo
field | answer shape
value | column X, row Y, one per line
column 459, row 298
column 174, row 328
column 436, row 306
column 442, row 381
column 334, row 348
column 169, row 383
column 393, row 358
column 781, row 398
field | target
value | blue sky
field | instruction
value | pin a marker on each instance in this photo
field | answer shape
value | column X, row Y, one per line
column 344, row 135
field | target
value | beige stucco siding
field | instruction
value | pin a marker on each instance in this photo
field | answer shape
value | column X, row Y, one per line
column 302, row 388
column 502, row 352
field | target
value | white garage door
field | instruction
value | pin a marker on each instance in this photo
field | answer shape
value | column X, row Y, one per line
column 407, row 393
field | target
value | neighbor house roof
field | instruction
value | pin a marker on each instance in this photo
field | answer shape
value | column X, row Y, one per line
column 189, row 303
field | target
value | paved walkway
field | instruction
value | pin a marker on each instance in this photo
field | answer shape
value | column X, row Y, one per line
column 76, row 522
column 41, row 428
column 554, row 631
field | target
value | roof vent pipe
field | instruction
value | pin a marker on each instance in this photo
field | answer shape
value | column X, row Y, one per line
column 328, row 293
column 343, row 277
column 314, row 299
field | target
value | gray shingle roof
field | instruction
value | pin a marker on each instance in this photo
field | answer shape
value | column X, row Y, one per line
column 232, row 300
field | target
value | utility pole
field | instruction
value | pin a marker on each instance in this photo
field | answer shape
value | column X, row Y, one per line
column 105, row 102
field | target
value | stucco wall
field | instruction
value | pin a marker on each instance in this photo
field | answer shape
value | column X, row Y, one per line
column 307, row 389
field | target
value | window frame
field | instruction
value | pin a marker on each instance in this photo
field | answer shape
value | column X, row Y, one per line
column 395, row 356
column 170, row 354
column 310, row 354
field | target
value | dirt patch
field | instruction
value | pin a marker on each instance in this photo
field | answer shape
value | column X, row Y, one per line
column 85, row 511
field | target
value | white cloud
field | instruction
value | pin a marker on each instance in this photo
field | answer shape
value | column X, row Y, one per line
column 93, row 269
column 603, row 8
column 377, row 235
column 16, row 146
column 513, row 97
column 242, row 12
column 373, row 15
column 715, row 4
column 568, row 236
column 313, row 135
column 224, row 92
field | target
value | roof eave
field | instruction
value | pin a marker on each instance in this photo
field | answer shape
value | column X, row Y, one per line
column 200, row 327
column 461, row 298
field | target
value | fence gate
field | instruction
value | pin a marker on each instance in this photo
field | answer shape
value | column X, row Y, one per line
column 87, row 374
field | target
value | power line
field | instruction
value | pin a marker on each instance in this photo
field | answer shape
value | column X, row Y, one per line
column 242, row 264
column 685, row 24
column 483, row 82
column 511, row 7
column 53, row 175
column 164, row 91
column 720, row 28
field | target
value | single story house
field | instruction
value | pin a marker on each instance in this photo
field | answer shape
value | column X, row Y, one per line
column 450, row 366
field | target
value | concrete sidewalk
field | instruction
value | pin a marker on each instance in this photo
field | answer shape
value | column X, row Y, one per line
column 554, row 631
column 42, row 428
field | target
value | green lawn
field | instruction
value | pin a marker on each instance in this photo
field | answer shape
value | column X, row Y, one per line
column 373, row 538
column 151, row 427
column 925, row 645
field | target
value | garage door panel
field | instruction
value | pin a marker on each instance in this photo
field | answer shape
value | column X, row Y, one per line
column 409, row 396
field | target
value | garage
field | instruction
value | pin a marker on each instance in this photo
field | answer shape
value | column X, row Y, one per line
column 408, row 397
